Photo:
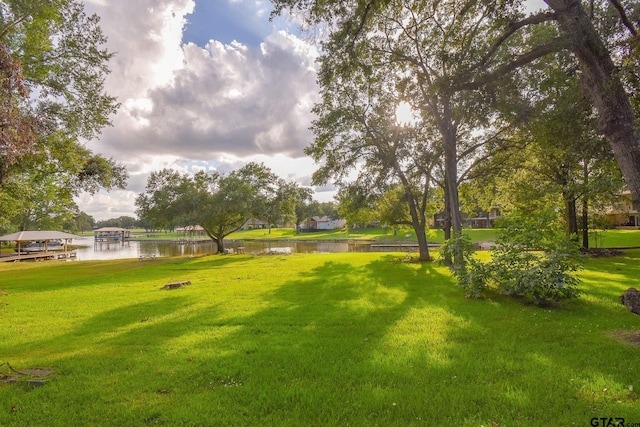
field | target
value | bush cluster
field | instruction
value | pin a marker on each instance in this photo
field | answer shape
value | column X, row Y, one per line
column 533, row 259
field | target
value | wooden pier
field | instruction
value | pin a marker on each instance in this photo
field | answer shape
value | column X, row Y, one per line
column 40, row 256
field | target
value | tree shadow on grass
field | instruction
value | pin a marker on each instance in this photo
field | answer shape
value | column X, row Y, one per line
column 305, row 333
column 345, row 343
column 512, row 360
column 69, row 275
column 608, row 278
column 102, row 328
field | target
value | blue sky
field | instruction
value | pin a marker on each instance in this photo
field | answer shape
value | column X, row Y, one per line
column 223, row 21
column 243, row 21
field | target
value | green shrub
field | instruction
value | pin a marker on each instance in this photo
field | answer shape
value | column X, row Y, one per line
column 533, row 259
column 470, row 274
column 541, row 276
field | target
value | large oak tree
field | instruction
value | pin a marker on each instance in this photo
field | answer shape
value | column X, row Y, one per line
column 436, row 54
column 601, row 75
column 219, row 203
column 358, row 134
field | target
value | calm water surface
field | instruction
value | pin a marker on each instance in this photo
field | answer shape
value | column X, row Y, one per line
column 136, row 249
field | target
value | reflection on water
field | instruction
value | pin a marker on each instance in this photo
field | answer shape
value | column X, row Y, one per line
column 137, row 249
column 91, row 250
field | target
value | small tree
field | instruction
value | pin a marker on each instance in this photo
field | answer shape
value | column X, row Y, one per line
column 282, row 205
column 356, row 205
column 302, row 200
column 157, row 205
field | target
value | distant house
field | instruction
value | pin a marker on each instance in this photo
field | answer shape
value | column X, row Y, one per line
column 485, row 219
column 480, row 220
column 623, row 214
column 253, row 223
column 317, row 223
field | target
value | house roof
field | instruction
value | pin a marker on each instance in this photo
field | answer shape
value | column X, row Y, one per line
column 29, row 236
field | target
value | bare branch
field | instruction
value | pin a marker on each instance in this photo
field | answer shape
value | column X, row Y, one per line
column 13, row 24
column 554, row 45
column 511, row 29
column 623, row 16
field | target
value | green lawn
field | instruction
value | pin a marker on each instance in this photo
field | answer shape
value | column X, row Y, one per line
column 402, row 234
column 606, row 238
column 616, row 238
column 331, row 339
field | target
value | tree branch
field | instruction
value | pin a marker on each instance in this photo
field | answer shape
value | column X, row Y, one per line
column 511, row 29
column 13, row 24
column 623, row 16
column 363, row 20
column 554, row 45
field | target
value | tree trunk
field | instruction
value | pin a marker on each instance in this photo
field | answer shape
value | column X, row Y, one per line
column 602, row 84
column 446, row 224
column 585, row 205
column 585, row 222
column 449, row 141
column 451, row 170
column 571, row 213
column 568, row 198
column 446, row 221
column 423, row 246
column 417, row 219
column 216, row 240
column 220, row 245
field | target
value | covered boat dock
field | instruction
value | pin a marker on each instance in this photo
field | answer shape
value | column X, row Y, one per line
column 111, row 235
column 22, row 238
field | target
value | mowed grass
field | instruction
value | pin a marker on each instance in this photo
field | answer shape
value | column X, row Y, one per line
column 604, row 238
column 323, row 339
column 615, row 238
column 375, row 234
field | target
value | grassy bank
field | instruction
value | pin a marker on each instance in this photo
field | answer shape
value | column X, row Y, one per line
column 374, row 234
column 605, row 238
column 335, row 339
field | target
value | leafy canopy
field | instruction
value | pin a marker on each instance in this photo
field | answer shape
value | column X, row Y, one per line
column 52, row 72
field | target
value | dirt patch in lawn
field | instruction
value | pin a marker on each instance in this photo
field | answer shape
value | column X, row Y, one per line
column 629, row 337
column 34, row 376
column 601, row 252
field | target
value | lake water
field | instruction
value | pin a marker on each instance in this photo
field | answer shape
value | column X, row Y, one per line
column 137, row 249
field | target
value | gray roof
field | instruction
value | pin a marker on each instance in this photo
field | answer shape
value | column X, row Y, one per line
column 29, row 236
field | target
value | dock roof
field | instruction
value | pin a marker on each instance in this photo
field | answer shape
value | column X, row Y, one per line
column 30, row 236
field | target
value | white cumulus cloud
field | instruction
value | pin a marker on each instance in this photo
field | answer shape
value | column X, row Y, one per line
column 189, row 108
